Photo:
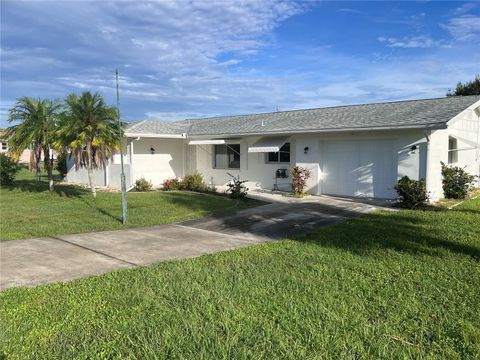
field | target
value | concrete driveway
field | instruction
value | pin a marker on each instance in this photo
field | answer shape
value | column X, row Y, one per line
column 32, row 262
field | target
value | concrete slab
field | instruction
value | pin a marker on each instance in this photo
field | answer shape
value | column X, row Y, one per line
column 39, row 261
column 60, row 258
column 280, row 220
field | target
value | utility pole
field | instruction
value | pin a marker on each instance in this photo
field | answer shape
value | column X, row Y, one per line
column 122, row 174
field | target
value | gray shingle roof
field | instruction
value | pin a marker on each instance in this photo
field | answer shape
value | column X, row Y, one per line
column 430, row 113
column 157, row 127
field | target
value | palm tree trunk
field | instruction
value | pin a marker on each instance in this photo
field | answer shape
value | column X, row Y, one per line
column 90, row 180
column 49, row 167
column 38, row 158
column 50, row 178
column 90, row 171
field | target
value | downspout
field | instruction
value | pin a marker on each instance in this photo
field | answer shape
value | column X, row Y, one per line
column 477, row 151
column 428, row 172
column 131, row 164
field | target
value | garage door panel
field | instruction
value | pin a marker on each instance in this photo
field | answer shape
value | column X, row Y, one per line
column 359, row 168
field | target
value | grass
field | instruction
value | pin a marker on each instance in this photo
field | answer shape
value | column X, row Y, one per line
column 449, row 203
column 30, row 210
column 401, row 284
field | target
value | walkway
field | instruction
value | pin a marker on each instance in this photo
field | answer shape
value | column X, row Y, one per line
column 32, row 262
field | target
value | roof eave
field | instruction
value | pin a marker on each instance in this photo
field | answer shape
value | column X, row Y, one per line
column 434, row 126
column 152, row 135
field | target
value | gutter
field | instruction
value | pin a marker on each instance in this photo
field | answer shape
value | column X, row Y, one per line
column 432, row 126
column 151, row 135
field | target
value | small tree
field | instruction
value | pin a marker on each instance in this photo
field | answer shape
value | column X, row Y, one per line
column 300, row 176
column 90, row 130
column 8, row 169
column 456, row 182
column 236, row 187
column 469, row 88
column 37, row 127
column 61, row 165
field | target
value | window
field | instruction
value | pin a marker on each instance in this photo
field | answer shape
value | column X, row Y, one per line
column 283, row 156
column 227, row 156
column 452, row 150
column 4, row 146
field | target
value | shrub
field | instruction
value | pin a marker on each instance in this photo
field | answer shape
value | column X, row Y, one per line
column 171, row 184
column 194, row 182
column 236, row 187
column 411, row 193
column 300, row 176
column 8, row 169
column 143, row 184
column 456, row 182
column 61, row 165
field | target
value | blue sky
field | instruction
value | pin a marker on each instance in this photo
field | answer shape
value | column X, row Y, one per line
column 185, row 59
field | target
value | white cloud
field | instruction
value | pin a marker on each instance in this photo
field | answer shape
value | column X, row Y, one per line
column 352, row 11
column 186, row 59
column 420, row 41
column 465, row 8
column 464, row 28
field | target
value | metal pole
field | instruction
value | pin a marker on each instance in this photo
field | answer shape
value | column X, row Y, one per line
column 122, row 175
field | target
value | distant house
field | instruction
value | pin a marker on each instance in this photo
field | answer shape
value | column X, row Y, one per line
column 24, row 156
column 358, row 150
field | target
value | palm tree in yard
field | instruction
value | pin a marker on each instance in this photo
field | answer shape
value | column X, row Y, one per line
column 90, row 131
column 37, row 125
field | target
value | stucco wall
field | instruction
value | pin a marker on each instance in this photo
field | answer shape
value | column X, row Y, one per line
column 465, row 128
column 80, row 176
column 407, row 162
column 253, row 166
column 166, row 161
column 260, row 174
column 114, row 176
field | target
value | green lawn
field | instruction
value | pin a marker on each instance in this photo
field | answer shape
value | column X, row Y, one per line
column 399, row 285
column 30, row 210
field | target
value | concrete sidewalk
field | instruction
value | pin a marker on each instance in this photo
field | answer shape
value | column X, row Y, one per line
column 32, row 262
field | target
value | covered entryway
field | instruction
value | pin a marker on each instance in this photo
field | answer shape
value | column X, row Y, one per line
column 364, row 168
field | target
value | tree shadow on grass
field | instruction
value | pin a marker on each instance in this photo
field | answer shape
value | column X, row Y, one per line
column 399, row 231
column 207, row 203
column 32, row 186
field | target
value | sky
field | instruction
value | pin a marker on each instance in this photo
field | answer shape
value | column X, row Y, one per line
column 190, row 59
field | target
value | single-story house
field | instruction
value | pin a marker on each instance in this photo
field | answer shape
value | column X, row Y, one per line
column 357, row 150
column 24, row 157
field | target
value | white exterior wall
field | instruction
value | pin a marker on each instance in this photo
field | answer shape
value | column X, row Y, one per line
column 465, row 127
column 166, row 162
column 406, row 162
column 253, row 166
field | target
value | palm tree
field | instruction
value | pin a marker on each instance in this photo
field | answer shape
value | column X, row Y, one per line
column 90, row 131
column 38, row 121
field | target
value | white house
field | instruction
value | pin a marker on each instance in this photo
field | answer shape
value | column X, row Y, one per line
column 358, row 150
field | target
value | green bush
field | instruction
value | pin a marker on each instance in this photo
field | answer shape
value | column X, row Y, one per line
column 8, row 169
column 61, row 165
column 411, row 193
column 143, row 185
column 193, row 182
column 456, row 182
column 236, row 187
column 171, row 184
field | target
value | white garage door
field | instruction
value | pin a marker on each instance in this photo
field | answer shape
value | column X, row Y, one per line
column 365, row 168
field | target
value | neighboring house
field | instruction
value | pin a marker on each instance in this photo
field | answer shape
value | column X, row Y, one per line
column 358, row 150
column 24, row 156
